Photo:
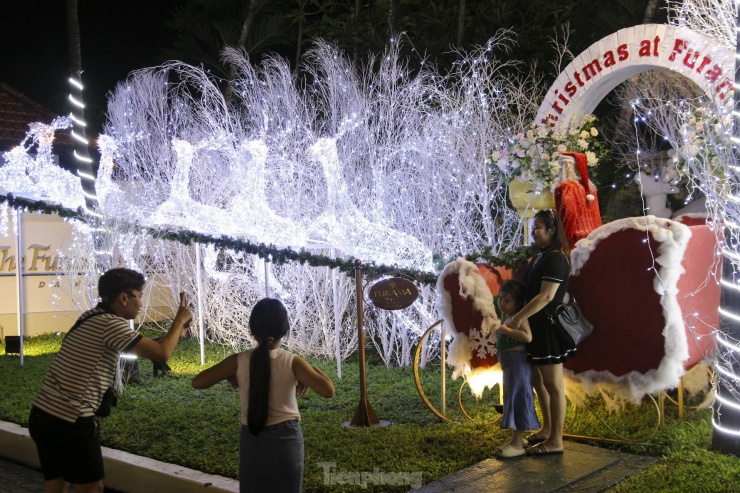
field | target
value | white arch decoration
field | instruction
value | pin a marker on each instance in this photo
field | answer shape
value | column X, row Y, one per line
column 628, row 52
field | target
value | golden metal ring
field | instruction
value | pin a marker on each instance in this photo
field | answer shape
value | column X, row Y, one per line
column 417, row 379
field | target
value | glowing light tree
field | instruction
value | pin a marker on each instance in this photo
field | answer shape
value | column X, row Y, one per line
column 726, row 420
column 385, row 162
column 76, row 100
column 719, row 20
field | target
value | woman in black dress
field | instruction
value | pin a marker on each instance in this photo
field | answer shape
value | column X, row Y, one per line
column 546, row 280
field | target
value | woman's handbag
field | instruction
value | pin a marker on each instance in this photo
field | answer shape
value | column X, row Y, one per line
column 574, row 324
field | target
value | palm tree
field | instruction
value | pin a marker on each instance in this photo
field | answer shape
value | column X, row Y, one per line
column 392, row 18
column 460, row 22
column 204, row 27
column 242, row 44
column 82, row 151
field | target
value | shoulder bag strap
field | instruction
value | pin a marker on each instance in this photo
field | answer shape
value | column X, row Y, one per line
column 82, row 320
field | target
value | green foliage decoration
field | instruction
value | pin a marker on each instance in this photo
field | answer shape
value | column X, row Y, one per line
column 512, row 259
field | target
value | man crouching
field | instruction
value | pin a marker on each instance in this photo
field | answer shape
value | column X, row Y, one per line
column 63, row 421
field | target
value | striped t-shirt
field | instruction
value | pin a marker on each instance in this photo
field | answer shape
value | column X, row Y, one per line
column 85, row 366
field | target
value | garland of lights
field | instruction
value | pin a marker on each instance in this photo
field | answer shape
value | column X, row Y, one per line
column 382, row 163
column 708, row 152
column 78, row 133
column 512, row 259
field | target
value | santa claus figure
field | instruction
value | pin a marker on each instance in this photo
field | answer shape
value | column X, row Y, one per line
column 575, row 197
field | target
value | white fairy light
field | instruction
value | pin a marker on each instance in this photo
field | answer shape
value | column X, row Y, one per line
column 77, row 120
column 76, row 83
column 726, row 402
column 720, row 338
column 700, row 130
column 726, row 373
column 717, row 426
column 82, row 174
column 31, row 168
column 729, row 285
column 76, row 102
column 391, row 151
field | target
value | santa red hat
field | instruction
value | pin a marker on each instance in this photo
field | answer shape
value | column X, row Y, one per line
column 582, row 164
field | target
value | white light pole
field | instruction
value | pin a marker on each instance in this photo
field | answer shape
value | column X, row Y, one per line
column 726, row 407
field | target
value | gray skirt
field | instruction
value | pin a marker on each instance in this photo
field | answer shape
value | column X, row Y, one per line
column 272, row 461
column 519, row 413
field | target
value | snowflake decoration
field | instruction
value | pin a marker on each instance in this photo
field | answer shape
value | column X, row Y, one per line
column 482, row 343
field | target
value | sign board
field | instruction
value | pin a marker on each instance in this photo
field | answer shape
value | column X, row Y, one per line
column 612, row 60
column 394, row 293
column 51, row 300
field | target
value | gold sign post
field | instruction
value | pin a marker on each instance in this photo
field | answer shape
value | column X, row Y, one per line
column 364, row 415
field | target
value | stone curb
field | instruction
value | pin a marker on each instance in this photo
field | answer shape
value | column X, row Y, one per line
column 123, row 471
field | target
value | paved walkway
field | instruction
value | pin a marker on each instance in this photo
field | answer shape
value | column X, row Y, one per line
column 582, row 469
column 123, row 471
column 15, row 478
column 19, row 479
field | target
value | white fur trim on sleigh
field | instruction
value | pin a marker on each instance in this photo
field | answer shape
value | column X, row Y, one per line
column 472, row 285
column 672, row 238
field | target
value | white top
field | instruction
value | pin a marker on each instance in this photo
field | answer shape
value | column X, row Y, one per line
column 282, row 403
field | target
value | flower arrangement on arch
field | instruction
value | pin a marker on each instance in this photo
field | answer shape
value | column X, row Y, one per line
column 704, row 144
column 533, row 155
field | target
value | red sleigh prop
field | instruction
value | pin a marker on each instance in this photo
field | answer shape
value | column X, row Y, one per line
column 464, row 314
column 643, row 340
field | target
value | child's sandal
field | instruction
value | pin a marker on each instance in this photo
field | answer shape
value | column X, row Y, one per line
column 508, row 452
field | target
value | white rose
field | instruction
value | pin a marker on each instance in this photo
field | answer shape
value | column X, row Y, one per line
column 495, row 156
column 530, row 134
column 584, row 134
column 507, row 166
column 594, row 132
column 562, row 148
column 670, row 175
column 544, row 156
column 582, row 143
column 591, row 158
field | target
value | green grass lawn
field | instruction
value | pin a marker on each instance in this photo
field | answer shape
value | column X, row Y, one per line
column 165, row 419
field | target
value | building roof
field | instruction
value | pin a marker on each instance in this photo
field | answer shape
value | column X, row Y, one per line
column 16, row 112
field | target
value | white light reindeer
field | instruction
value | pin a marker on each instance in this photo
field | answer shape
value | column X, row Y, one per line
column 655, row 189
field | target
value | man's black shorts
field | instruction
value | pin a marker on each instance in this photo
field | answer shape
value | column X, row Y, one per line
column 67, row 450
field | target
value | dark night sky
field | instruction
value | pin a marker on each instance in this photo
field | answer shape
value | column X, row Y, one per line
column 117, row 37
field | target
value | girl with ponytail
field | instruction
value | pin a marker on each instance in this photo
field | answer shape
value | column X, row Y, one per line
column 269, row 380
